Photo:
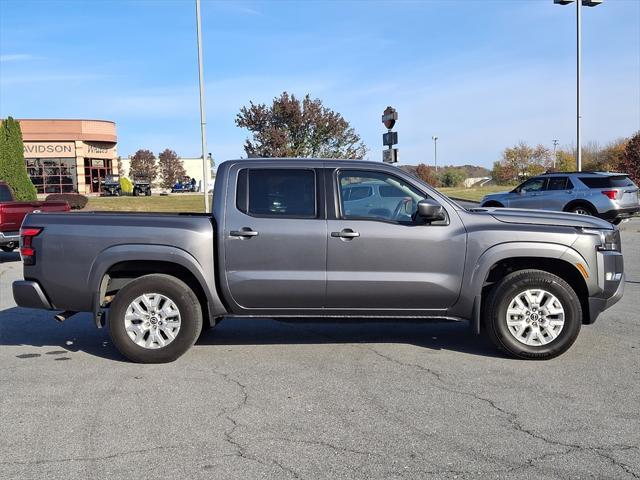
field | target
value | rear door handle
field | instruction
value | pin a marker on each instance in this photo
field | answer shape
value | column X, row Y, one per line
column 346, row 233
column 245, row 232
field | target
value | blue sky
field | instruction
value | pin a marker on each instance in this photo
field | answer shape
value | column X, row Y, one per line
column 481, row 75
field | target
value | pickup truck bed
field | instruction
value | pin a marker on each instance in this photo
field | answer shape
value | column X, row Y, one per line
column 295, row 238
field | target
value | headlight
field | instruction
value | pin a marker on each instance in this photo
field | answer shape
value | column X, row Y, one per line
column 609, row 239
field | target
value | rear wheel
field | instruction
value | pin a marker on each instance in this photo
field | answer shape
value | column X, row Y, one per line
column 155, row 319
column 582, row 209
column 533, row 314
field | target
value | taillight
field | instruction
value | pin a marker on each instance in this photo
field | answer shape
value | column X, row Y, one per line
column 610, row 193
column 27, row 252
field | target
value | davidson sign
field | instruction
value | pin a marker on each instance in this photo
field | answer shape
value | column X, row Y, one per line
column 49, row 149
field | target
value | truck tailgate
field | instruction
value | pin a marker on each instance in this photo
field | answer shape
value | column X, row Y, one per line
column 12, row 213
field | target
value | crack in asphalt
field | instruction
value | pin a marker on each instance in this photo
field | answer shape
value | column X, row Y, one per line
column 322, row 443
column 94, row 458
column 512, row 419
column 241, row 450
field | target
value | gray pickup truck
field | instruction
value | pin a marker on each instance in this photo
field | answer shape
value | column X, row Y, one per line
column 296, row 239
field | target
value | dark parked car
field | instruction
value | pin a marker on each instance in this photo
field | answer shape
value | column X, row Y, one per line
column 611, row 196
column 284, row 242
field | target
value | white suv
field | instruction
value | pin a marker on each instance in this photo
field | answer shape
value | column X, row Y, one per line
column 611, row 196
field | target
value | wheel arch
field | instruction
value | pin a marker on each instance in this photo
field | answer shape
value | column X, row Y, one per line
column 492, row 203
column 556, row 266
column 504, row 258
column 117, row 266
column 580, row 203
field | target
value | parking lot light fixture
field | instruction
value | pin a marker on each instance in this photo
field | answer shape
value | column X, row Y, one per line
column 435, row 151
column 579, row 3
column 203, row 121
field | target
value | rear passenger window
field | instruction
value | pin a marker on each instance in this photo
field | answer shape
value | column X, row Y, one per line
column 358, row 193
column 277, row 192
column 557, row 183
column 391, row 192
column 607, row 181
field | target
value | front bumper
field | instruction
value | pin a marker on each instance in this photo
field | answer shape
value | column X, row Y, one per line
column 610, row 283
column 29, row 294
column 9, row 238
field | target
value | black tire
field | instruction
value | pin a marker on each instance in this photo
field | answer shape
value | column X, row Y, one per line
column 581, row 209
column 148, row 193
column 7, row 249
column 492, row 205
column 184, row 299
column 501, row 295
column 135, row 192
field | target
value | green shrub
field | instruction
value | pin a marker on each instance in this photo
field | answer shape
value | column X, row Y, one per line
column 452, row 178
column 125, row 185
column 12, row 167
column 75, row 200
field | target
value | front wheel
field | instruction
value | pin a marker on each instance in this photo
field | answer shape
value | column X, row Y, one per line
column 533, row 314
column 7, row 249
column 155, row 319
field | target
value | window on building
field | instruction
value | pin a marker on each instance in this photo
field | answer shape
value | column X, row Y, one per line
column 52, row 175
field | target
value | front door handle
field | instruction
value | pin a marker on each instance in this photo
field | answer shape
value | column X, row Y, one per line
column 244, row 232
column 346, row 233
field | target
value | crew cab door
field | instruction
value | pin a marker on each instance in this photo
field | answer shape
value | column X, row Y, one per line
column 528, row 195
column 275, row 238
column 381, row 260
column 558, row 192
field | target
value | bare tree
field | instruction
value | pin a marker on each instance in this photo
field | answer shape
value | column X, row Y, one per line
column 143, row 162
column 171, row 168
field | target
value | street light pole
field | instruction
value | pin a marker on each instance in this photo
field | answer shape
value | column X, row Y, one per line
column 555, row 157
column 203, row 121
column 578, row 70
column 579, row 4
column 435, row 151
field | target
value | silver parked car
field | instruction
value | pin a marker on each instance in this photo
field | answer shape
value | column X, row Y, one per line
column 611, row 196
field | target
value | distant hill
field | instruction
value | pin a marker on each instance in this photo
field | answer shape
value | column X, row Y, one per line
column 470, row 171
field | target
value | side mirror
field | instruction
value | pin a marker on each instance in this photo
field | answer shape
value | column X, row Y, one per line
column 429, row 210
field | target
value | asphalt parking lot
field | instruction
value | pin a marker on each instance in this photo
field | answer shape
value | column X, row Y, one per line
column 263, row 399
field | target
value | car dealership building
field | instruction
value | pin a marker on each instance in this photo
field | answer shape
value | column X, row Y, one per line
column 69, row 155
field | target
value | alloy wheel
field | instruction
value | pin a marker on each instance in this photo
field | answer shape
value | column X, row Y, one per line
column 535, row 317
column 152, row 321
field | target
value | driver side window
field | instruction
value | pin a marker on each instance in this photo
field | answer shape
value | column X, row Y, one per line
column 533, row 185
column 389, row 198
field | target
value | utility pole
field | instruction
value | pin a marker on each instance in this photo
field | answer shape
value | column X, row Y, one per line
column 579, row 4
column 578, row 70
column 555, row 144
column 435, row 151
column 203, row 121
